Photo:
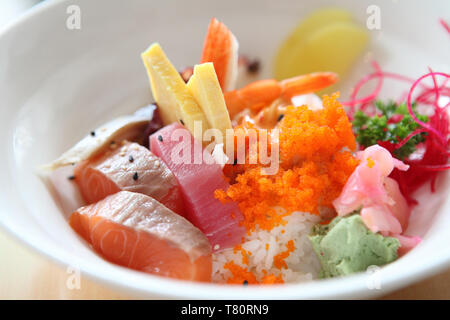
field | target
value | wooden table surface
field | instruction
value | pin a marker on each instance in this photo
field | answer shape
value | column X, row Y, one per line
column 26, row 275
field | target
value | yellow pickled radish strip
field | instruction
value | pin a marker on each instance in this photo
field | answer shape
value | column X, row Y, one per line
column 174, row 100
column 205, row 88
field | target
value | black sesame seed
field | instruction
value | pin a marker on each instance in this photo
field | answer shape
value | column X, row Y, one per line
column 280, row 117
column 182, row 122
column 245, row 283
column 112, row 142
column 135, row 176
column 93, row 133
column 254, row 66
column 71, row 177
column 130, row 158
column 160, row 138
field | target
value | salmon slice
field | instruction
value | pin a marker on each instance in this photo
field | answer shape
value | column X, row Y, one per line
column 221, row 48
column 129, row 167
column 135, row 231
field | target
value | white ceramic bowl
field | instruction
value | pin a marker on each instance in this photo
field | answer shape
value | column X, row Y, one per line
column 57, row 84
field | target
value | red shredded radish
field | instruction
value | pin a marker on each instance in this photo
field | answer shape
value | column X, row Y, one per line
column 435, row 168
column 435, row 151
column 412, row 134
column 369, row 98
column 445, row 25
column 423, row 124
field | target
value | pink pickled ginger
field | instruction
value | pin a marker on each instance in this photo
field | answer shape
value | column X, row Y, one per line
column 383, row 207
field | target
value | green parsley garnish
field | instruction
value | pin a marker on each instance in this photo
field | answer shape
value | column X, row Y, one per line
column 370, row 130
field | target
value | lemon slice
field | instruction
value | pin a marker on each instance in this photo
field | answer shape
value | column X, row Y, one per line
column 327, row 40
column 332, row 48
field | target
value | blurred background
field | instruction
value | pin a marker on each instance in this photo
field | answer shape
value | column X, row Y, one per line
column 10, row 9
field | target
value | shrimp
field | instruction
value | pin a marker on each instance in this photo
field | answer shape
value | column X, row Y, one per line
column 262, row 93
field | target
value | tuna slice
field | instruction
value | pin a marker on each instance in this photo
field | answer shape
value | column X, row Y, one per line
column 136, row 231
column 129, row 167
column 198, row 181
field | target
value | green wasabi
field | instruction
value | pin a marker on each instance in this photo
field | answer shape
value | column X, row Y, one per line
column 346, row 246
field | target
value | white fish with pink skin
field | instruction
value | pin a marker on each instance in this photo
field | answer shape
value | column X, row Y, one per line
column 127, row 127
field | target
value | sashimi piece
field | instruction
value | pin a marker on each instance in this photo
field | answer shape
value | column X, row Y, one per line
column 129, row 167
column 221, row 48
column 129, row 127
column 136, row 231
column 199, row 176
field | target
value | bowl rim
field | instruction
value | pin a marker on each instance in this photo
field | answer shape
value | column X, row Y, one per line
column 141, row 285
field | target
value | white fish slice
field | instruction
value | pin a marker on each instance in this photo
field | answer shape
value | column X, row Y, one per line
column 129, row 127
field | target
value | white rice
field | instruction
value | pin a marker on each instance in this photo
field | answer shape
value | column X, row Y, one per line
column 302, row 263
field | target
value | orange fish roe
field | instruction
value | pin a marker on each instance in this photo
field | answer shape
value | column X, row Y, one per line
column 272, row 279
column 315, row 135
column 240, row 274
column 245, row 254
column 278, row 260
column 315, row 163
column 314, row 167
